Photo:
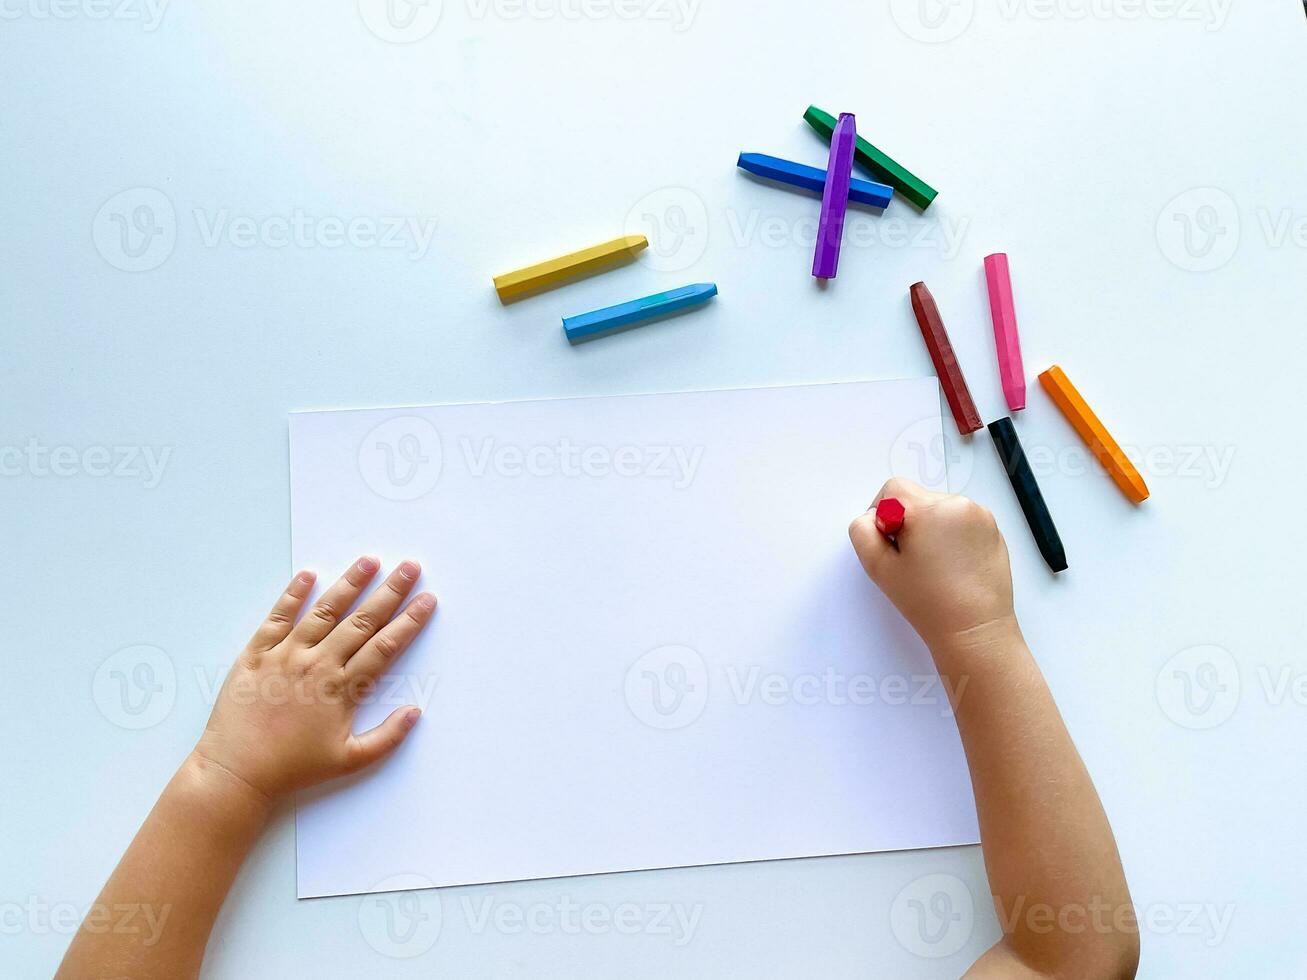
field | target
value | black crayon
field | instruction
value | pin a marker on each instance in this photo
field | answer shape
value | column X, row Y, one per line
column 1004, row 434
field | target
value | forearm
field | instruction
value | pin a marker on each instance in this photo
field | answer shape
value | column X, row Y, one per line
column 176, row 873
column 1054, row 872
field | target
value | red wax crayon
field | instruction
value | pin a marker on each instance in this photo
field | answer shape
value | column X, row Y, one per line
column 889, row 517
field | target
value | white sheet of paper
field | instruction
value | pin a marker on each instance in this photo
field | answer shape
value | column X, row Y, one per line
column 655, row 646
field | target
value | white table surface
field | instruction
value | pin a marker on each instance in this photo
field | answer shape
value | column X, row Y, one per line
column 1084, row 146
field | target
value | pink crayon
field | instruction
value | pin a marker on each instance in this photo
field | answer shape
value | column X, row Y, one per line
column 835, row 198
column 1006, row 339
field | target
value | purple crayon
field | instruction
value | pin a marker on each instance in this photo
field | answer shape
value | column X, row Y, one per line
column 835, row 198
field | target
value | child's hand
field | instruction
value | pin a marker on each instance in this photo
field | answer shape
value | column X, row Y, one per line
column 284, row 717
column 950, row 576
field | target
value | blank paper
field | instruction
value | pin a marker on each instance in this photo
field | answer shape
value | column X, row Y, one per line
column 655, row 646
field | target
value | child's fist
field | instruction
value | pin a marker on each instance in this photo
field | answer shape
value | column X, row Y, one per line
column 950, row 576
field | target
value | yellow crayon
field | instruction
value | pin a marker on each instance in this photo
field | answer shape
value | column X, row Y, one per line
column 545, row 275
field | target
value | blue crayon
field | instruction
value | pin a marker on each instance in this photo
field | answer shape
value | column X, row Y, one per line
column 813, row 178
column 600, row 323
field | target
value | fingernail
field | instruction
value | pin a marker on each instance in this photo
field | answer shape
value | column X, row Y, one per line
column 305, row 577
column 425, row 602
column 367, row 565
column 410, row 569
column 412, row 717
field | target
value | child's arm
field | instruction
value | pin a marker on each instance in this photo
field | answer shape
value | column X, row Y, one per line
column 283, row 721
column 1054, row 871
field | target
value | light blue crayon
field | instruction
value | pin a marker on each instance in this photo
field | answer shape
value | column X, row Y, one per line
column 600, row 323
column 813, row 178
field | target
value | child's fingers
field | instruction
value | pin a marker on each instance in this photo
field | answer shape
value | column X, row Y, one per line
column 373, row 613
column 914, row 497
column 380, row 651
column 906, row 491
column 376, row 743
column 873, row 548
column 322, row 618
column 281, row 618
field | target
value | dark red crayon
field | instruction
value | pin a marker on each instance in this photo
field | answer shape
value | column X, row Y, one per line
column 946, row 363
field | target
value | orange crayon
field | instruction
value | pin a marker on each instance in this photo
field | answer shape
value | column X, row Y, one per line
column 1094, row 433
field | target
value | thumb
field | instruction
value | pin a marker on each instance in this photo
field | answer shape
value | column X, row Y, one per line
column 377, row 743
